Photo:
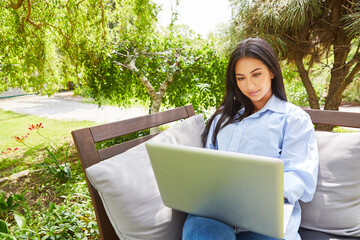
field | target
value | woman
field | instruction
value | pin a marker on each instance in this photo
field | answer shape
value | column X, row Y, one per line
column 255, row 118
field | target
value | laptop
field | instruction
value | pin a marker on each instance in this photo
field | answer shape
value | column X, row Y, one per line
column 242, row 190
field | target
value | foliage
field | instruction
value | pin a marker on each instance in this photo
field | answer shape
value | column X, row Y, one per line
column 60, row 171
column 307, row 32
column 67, row 216
column 43, row 53
column 187, row 67
column 4, row 230
column 71, row 220
column 295, row 90
column 118, row 140
column 352, row 93
column 40, row 52
column 21, row 224
column 67, row 222
column 9, row 203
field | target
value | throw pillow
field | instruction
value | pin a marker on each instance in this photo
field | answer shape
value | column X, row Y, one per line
column 128, row 189
column 335, row 207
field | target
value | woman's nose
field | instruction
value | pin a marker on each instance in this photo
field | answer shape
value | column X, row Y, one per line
column 250, row 85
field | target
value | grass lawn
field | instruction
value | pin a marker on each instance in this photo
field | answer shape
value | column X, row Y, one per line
column 15, row 124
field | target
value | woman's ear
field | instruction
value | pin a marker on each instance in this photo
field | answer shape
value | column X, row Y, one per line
column 272, row 75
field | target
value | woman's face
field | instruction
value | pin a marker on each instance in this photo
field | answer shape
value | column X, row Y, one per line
column 254, row 80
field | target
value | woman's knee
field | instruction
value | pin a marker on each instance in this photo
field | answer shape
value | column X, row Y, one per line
column 197, row 228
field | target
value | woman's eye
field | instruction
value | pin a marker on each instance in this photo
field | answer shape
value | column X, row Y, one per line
column 257, row 74
column 239, row 79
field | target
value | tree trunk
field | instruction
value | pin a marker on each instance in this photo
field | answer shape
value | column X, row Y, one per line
column 304, row 75
column 339, row 73
column 340, row 76
column 156, row 97
column 155, row 107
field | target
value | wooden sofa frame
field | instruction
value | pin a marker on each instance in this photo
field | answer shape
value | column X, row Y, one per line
column 86, row 138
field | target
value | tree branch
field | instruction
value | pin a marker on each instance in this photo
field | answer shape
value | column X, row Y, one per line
column 304, row 75
column 102, row 20
column 132, row 67
column 17, row 5
column 28, row 11
column 124, row 55
column 354, row 60
column 164, row 86
column 34, row 24
column 349, row 78
column 122, row 65
column 28, row 14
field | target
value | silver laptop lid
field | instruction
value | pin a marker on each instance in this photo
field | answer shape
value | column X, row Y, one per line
column 242, row 190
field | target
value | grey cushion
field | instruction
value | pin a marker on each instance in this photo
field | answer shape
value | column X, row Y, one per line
column 307, row 234
column 128, row 189
column 335, row 208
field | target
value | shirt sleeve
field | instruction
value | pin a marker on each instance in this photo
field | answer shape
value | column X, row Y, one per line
column 300, row 157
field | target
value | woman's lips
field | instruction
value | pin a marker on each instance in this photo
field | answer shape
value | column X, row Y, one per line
column 253, row 93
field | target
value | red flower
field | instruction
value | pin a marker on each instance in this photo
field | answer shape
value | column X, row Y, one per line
column 9, row 150
column 21, row 139
column 33, row 127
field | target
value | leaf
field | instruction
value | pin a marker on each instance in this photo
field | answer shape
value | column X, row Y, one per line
column 3, row 227
column 3, row 206
column 20, row 197
column 10, row 201
column 68, row 171
column 53, row 170
column 20, row 220
column 52, row 157
column 51, row 206
column 6, row 236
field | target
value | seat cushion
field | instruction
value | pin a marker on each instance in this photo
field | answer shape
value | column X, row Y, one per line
column 307, row 234
column 129, row 192
column 335, row 208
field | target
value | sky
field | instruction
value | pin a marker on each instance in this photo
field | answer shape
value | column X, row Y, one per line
column 200, row 15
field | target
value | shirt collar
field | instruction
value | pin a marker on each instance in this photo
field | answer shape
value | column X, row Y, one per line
column 274, row 104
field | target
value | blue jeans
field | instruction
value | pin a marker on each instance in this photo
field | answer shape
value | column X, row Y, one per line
column 200, row 228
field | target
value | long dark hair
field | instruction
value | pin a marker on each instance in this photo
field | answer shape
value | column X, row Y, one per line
column 234, row 99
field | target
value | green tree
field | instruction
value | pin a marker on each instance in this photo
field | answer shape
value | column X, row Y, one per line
column 189, row 69
column 43, row 44
column 306, row 32
column 41, row 41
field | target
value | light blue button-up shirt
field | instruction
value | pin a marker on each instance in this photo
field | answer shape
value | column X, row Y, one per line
column 281, row 130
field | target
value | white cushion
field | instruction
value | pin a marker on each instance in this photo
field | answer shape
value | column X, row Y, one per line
column 128, row 189
column 335, row 207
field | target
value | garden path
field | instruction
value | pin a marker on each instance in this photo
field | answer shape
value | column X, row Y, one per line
column 66, row 106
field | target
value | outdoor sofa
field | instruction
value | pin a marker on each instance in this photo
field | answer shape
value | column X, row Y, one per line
column 127, row 203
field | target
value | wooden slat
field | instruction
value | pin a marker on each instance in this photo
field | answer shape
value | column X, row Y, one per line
column 111, row 130
column 334, row 118
column 122, row 147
